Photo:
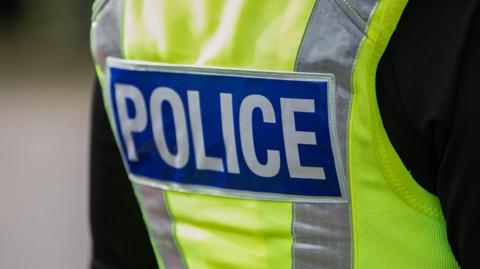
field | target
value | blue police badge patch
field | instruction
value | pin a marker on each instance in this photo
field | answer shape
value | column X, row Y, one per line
column 227, row 132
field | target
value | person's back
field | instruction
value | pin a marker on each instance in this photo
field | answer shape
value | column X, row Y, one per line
column 253, row 139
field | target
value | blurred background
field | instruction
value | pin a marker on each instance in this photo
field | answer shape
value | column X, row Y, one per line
column 46, row 76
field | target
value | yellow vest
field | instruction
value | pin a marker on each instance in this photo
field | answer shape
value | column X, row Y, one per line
column 384, row 219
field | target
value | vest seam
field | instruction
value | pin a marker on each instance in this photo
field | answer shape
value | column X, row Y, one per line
column 348, row 132
column 310, row 18
column 352, row 15
column 294, row 238
column 348, row 3
column 178, row 247
column 391, row 176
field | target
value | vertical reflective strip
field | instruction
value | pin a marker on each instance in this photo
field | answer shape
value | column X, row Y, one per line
column 363, row 7
column 323, row 231
column 322, row 236
column 106, row 32
column 330, row 45
column 160, row 225
column 106, row 41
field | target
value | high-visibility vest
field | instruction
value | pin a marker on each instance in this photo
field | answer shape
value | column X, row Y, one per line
column 361, row 209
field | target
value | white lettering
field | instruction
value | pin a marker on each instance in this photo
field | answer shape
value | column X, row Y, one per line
column 136, row 119
column 293, row 138
column 124, row 92
column 203, row 161
column 229, row 133
column 248, row 105
column 165, row 94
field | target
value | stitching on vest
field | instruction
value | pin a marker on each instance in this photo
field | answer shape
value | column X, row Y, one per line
column 352, row 14
column 385, row 160
column 348, row 3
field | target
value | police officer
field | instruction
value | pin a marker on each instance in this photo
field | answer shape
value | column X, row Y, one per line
column 396, row 191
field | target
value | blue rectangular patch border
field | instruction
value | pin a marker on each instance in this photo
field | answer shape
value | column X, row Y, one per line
column 211, row 190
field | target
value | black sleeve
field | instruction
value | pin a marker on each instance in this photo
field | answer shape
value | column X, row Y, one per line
column 428, row 92
column 119, row 236
column 458, row 180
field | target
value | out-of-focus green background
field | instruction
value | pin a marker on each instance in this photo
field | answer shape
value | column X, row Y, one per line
column 46, row 76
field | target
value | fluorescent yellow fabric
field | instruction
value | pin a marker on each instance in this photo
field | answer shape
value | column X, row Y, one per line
column 232, row 233
column 396, row 223
column 243, row 33
column 215, row 232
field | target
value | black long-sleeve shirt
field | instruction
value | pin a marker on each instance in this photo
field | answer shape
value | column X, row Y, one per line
column 428, row 89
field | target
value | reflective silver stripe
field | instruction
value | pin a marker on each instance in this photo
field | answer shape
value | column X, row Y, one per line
column 363, row 7
column 322, row 236
column 351, row 13
column 160, row 225
column 330, row 46
column 106, row 30
column 323, row 232
column 106, row 37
